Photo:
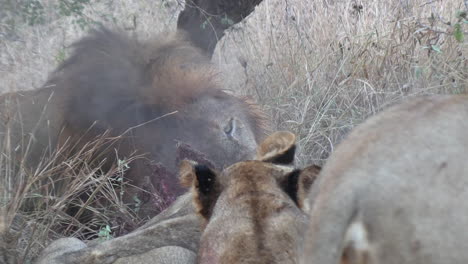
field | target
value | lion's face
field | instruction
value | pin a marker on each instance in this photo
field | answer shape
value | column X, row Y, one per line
column 219, row 127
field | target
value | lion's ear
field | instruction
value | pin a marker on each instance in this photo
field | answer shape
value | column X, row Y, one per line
column 204, row 183
column 278, row 148
column 306, row 179
column 298, row 183
column 187, row 173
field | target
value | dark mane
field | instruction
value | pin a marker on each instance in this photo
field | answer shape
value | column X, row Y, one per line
column 259, row 121
column 159, row 74
column 156, row 76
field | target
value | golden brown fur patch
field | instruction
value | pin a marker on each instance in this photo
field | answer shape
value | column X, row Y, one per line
column 393, row 191
column 253, row 206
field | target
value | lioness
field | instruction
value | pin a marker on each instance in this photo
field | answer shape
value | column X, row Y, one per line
column 250, row 209
column 395, row 191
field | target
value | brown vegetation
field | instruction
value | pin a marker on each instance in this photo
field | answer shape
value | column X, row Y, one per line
column 322, row 67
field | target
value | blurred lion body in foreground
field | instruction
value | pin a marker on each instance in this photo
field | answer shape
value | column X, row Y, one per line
column 149, row 95
column 395, row 190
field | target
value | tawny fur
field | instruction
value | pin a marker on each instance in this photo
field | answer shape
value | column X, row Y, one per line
column 250, row 210
column 395, row 190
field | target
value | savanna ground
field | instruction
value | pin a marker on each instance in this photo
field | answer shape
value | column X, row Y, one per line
column 318, row 68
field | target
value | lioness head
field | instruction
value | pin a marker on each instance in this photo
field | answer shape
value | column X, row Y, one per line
column 251, row 209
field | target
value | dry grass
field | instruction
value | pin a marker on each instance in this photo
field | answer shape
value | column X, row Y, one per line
column 321, row 67
column 36, row 203
column 29, row 53
column 318, row 67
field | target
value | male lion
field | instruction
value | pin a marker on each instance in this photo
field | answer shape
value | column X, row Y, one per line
column 151, row 95
column 396, row 190
column 251, row 209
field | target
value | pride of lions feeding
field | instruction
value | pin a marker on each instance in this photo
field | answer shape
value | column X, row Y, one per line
column 393, row 192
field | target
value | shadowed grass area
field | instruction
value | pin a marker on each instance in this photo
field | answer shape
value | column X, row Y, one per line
column 68, row 193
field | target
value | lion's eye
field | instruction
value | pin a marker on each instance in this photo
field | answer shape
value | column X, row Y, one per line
column 230, row 127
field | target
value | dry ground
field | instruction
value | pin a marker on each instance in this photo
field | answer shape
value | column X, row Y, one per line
column 318, row 67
